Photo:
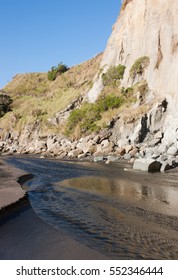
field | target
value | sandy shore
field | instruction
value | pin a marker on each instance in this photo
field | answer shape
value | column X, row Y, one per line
column 10, row 190
column 23, row 235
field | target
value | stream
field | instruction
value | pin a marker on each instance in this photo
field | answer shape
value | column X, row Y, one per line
column 123, row 214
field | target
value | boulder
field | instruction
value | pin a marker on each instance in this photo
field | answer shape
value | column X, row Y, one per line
column 112, row 158
column 75, row 153
column 172, row 151
column 50, row 142
column 154, row 142
column 120, row 151
column 128, row 148
column 40, row 146
column 165, row 166
column 158, row 135
column 162, row 149
column 149, row 165
column 127, row 156
column 162, row 158
column 133, row 152
column 98, row 159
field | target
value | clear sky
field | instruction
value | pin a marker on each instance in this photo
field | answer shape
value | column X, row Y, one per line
column 38, row 34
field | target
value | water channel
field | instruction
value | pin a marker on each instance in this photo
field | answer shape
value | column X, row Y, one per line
column 118, row 212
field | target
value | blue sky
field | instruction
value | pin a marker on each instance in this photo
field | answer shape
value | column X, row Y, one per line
column 37, row 34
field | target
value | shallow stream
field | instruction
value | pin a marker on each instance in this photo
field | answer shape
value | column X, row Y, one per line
column 122, row 214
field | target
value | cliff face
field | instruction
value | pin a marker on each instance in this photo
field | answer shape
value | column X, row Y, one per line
column 147, row 28
column 144, row 47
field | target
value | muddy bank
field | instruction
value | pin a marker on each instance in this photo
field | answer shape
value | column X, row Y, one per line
column 23, row 235
column 11, row 179
column 119, row 212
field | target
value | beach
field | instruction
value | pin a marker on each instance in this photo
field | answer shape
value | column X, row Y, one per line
column 84, row 210
column 25, row 236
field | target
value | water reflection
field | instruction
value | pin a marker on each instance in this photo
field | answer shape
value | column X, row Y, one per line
column 158, row 199
column 123, row 215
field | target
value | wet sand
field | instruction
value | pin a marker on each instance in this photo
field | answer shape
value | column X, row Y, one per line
column 10, row 190
column 121, row 214
column 18, row 219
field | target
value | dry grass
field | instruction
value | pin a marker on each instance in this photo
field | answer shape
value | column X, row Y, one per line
column 35, row 97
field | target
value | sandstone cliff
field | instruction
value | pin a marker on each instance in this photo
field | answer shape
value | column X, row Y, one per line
column 148, row 28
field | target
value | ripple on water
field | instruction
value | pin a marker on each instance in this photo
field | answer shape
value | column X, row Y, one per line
column 104, row 215
column 124, row 216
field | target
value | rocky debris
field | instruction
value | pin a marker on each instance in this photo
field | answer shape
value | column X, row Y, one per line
column 122, row 141
column 144, row 156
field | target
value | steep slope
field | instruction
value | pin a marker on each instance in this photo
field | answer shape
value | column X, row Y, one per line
column 35, row 98
column 147, row 28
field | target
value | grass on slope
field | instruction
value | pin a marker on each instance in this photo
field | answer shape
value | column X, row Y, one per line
column 35, row 97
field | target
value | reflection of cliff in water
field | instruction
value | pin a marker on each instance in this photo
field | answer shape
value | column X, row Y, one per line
column 155, row 198
column 124, row 215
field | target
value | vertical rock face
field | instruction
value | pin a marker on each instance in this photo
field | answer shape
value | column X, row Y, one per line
column 147, row 28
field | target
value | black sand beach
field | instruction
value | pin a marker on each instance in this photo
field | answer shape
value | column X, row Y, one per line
column 25, row 236
column 92, row 211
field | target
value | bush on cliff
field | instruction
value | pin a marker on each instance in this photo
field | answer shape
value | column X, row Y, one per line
column 113, row 75
column 89, row 113
column 139, row 65
column 57, row 70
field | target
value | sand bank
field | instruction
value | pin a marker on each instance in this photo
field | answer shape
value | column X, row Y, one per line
column 23, row 235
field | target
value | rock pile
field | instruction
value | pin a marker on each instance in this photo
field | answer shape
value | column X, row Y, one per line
column 152, row 154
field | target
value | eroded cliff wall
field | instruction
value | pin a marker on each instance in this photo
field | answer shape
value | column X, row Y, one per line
column 147, row 28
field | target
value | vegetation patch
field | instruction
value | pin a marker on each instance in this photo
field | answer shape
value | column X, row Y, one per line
column 57, row 70
column 89, row 113
column 5, row 102
column 139, row 65
column 113, row 75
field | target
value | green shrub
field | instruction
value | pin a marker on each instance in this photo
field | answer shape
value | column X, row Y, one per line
column 106, row 102
column 139, row 65
column 85, row 117
column 57, row 70
column 113, row 75
column 89, row 113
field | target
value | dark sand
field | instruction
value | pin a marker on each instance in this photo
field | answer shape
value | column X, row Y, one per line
column 143, row 220
column 34, row 239
column 10, row 190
